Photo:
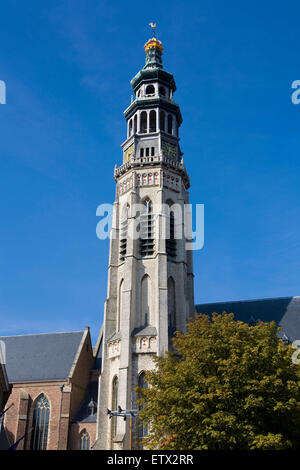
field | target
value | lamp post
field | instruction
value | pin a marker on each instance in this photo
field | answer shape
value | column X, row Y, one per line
column 125, row 414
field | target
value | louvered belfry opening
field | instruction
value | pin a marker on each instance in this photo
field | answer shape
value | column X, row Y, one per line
column 147, row 229
column 123, row 234
column 171, row 241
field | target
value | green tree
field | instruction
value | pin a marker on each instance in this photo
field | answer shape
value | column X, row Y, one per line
column 228, row 386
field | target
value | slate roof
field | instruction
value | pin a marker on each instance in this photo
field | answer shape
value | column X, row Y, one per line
column 285, row 311
column 145, row 331
column 98, row 358
column 40, row 357
column 83, row 415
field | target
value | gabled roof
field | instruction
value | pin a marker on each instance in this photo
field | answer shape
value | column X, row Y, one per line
column 34, row 358
column 285, row 311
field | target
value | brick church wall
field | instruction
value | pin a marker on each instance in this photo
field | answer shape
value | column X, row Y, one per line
column 18, row 418
column 74, row 434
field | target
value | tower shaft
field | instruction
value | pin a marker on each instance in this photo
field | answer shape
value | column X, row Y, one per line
column 150, row 273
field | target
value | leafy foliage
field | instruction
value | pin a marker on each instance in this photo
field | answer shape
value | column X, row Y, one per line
column 228, row 386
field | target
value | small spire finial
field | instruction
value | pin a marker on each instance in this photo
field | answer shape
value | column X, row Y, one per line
column 153, row 26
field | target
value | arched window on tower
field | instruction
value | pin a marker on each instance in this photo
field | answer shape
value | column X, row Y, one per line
column 145, row 301
column 147, row 229
column 135, row 124
column 144, row 122
column 152, row 121
column 170, row 124
column 130, row 127
column 143, row 428
column 84, row 443
column 120, row 306
column 162, row 91
column 162, row 118
column 150, row 90
column 40, row 424
column 171, row 304
column 114, row 404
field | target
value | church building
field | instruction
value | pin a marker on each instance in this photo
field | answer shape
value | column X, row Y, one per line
column 61, row 386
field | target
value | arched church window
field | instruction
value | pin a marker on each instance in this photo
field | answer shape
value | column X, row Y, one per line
column 130, row 127
column 162, row 117
column 40, row 424
column 114, row 404
column 143, row 428
column 84, row 440
column 123, row 232
column 152, row 121
column 144, row 123
column 120, row 305
column 162, row 91
column 147, row 229
column 170, row 123
column 150, row 90
column 171, row 303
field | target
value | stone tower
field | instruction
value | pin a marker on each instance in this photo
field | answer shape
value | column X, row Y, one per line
column 150, row 276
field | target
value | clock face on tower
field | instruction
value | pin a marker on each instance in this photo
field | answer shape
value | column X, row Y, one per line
column 168, row 149
column 128, row 153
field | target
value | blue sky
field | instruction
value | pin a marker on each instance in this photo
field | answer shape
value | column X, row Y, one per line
column 67, row 67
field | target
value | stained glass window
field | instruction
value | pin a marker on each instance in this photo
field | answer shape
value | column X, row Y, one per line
column 40, row 424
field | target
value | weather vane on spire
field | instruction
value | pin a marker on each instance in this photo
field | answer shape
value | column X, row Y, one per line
column 153, row 26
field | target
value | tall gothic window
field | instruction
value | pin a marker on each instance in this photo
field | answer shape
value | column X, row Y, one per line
column 145, row 301
column 143, row 428
column 84, row 440
column 40, row 424
column 147, row 229
column 115, row 386
column 120, row 305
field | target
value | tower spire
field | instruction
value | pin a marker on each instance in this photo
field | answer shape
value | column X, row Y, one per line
column 153, row 49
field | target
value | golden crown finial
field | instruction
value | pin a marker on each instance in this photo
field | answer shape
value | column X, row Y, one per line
column 153, row 43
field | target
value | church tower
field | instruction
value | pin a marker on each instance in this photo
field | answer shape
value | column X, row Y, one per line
column 150, row 275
